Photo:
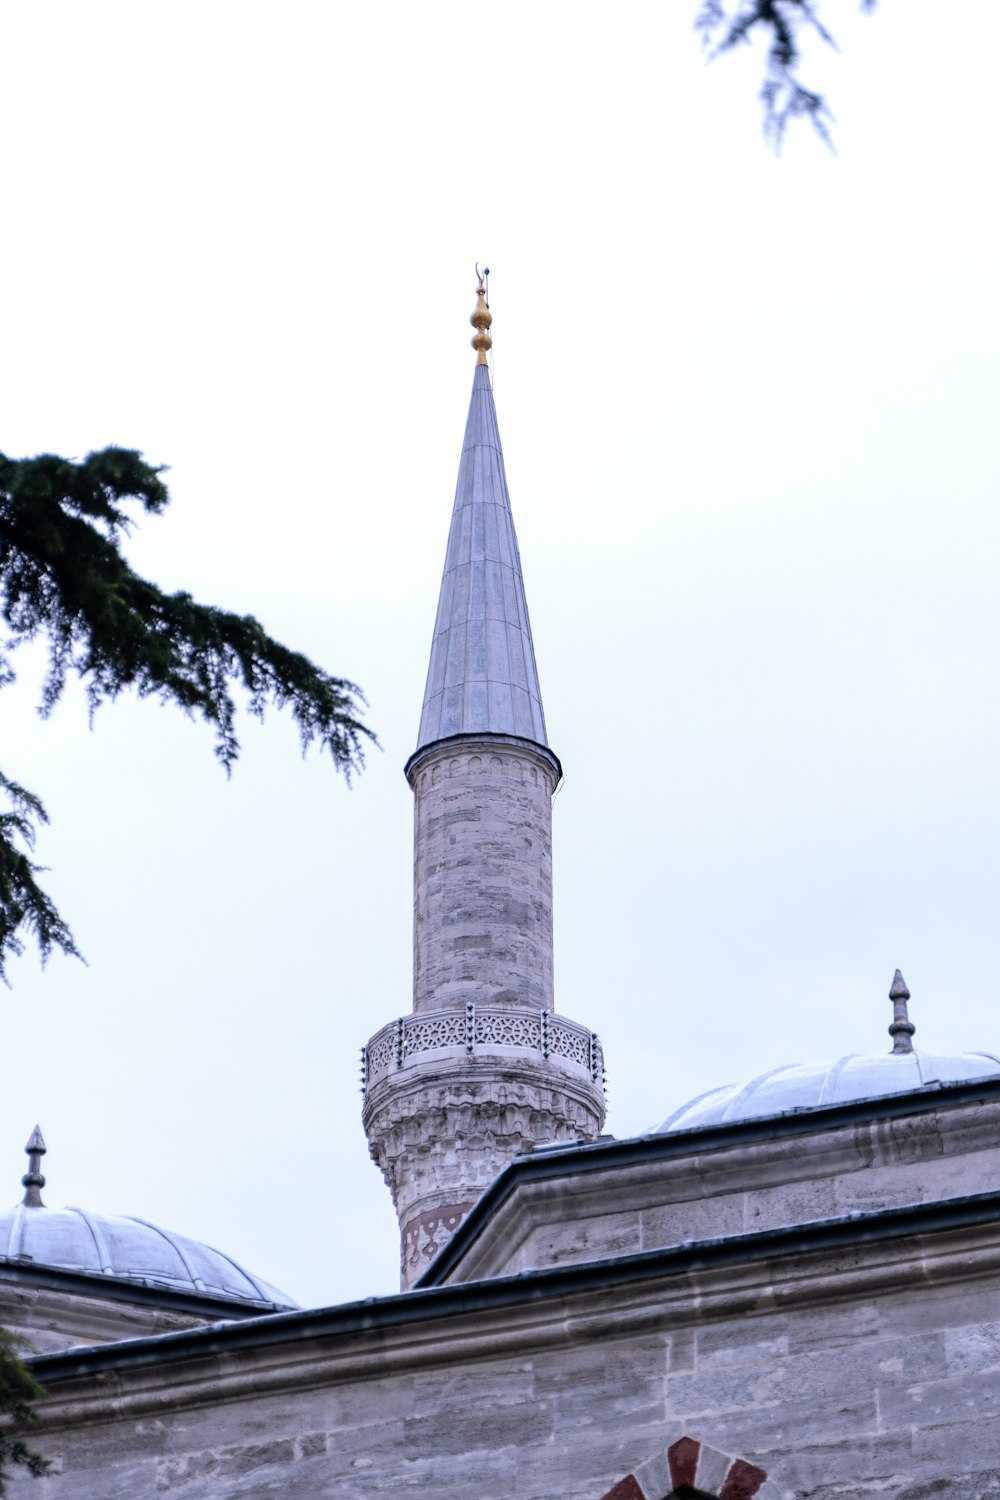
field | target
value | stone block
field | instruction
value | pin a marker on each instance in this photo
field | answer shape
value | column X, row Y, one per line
column 475, row 1385
column 698, row 1219
column 818, row 1377
column 789, row 1426
column 817, row 1329
column 713, row 1469
column 867, row 1464
column 572, row 1241
column 958, row 1305
column 681, row 1350
column 459, row 1430
column 787, row 1203
column 630, row 1368
column 583, row 1465
column 972, row 1349
column 926, row 1406
column 654, row 1475
column 751, row 1342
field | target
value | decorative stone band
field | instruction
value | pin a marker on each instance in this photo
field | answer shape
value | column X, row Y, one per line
column 424, row 1235
column 478, row 1030
column 478, row 754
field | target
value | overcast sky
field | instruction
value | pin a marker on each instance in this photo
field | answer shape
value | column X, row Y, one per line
column 748, row 407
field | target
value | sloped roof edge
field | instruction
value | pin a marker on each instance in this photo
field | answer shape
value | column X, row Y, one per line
column 425, row 1305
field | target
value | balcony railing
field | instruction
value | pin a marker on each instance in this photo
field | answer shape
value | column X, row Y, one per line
column 480, row 1029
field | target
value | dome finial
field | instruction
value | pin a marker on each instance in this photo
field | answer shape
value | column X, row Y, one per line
column 902, row 1027
column 482, row 317
column 33, row 1181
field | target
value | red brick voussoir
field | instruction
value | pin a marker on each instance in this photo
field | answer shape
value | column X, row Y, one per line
column 628, row 1488
column 742, row 1482
column 683, row 1457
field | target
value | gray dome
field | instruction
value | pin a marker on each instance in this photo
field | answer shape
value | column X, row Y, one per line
column 799, row 1086
column 68, row 1239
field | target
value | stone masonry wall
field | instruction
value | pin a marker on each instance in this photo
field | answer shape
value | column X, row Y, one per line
column 938, row 1151
column 482, row 904
column 48, row 1320
column 874, row 1376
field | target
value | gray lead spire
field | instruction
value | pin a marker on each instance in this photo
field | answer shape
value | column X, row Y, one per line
column 33, row 1181
column 482, row 677
column 902, row 1027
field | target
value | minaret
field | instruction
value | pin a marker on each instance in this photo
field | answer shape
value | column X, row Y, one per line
column 483, row 1068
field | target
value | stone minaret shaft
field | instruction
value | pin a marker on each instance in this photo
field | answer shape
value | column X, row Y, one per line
column 482, row 1068
column 483, row 775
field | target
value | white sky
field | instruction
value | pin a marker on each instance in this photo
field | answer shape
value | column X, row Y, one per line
column 748, row 410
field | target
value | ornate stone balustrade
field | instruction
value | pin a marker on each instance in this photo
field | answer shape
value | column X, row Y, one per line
column 479, row 1030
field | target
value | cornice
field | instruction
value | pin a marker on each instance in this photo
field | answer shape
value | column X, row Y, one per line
column 485, row 741
column 861, row 1255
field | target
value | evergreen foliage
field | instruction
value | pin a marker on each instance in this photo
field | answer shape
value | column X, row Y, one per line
column 24, row 906
column 63, row 576
column 18, row 1389
column 781, row 24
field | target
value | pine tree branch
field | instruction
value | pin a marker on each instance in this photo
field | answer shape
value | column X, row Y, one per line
column 24, row 906
column 18, row 1391
column 781, row 24
column 63, row 576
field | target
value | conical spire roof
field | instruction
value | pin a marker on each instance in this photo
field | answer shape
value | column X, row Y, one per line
column 482, row 677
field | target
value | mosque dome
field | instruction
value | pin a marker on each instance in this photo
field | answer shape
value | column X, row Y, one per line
column 121, row 1248
column 856, row 1076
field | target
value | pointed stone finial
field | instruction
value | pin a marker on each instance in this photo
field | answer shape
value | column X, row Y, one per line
column 33, row 1181
column 902, row 1027
column 481, row 319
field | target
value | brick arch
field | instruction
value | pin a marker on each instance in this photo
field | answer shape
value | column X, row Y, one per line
column 693, row 1471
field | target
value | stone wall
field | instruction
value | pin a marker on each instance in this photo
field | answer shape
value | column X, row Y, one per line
column 624, row 1196
column 482, row 881
column 68, row 1311
column 866, row 1368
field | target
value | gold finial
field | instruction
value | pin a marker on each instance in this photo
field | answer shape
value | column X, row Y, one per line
column 481, row 319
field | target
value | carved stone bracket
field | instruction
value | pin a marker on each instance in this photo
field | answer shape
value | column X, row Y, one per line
column 440, row 1140
column 485, row 1120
